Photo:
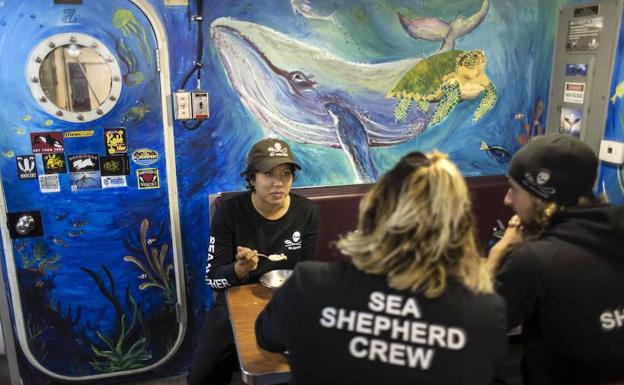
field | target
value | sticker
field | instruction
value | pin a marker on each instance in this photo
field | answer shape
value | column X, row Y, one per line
column 114, row 181
column 148, row 178
column 26, row 167
column 54, row 163
column 114, row 165
column 115, row 141
column 144, row 156
column 584, row 33
column 46, row 142
column 574, row 93
column 83, row 162
column 78, row 134
column 85, row 180
column 571, row 121
column 49, row 183
column 576, row 69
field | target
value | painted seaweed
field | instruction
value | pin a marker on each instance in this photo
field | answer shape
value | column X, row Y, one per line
column 152, row 264
column 127, row 346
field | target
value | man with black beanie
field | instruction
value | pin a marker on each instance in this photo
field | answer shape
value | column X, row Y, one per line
column 560, row 266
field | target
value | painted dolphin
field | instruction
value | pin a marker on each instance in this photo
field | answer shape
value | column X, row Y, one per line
column 309, row 95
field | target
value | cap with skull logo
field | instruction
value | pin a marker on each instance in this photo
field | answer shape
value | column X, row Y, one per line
column 555, row 168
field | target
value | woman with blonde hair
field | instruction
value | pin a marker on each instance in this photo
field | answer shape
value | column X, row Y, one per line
column 414, row 305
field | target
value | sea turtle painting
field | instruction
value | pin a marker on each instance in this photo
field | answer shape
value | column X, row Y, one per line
column 447, row 79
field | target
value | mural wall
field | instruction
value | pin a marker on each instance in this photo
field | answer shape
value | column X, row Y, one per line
column 611, row 176
column 353, row 85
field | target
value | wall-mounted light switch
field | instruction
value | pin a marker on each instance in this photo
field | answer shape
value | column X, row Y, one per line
column 182, row 107
column 612, row 152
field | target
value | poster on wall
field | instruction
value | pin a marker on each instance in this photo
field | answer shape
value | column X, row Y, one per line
column 574, row 93
column 584, row 34
column 571, row 121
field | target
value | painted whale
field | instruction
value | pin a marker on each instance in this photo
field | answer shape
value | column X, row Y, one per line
column 307, row 94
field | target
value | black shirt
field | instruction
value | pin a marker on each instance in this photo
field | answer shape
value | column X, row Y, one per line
column 567, row 290
column 237, row 223
column 343, row 326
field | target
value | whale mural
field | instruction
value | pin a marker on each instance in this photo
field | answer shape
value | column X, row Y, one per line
column 307, row 94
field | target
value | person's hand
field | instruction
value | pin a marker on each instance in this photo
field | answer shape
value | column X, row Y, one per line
column 246, row 261
column 514, row 235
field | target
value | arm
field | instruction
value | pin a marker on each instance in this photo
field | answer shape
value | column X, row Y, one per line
column 276, row 317
column 221, row 270
column 518, row 283
column 513, row 237
column 310, row 238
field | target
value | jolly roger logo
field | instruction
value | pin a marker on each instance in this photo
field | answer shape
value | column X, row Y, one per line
column 148, row 178
column 295, row 243
column 26, row 167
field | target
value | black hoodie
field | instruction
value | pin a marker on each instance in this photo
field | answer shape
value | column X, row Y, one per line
column 567, row 290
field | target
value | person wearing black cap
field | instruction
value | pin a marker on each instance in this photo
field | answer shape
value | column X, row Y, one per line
column 560, row 266
column 267, row 219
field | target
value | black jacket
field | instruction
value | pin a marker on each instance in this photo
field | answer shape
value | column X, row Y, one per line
column 343, row 326
column 567, row 291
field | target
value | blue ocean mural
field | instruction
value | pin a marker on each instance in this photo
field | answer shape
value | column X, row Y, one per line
column 611, row 178
column 351, row 85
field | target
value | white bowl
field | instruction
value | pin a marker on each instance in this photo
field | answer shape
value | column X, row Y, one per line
column 275, row 278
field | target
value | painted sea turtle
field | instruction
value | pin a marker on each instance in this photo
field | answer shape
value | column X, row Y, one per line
column 447, row 78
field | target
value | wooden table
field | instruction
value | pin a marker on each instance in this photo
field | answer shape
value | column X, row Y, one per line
column 257, row 366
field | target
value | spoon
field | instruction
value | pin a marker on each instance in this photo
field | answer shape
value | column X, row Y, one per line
column 274, row 257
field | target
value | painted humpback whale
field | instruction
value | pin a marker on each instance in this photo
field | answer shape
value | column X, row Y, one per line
column 307, row 94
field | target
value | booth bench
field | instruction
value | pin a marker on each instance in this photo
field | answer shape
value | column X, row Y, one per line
column 339, row 205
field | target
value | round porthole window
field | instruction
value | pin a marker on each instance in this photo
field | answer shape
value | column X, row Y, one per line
column 74, row 77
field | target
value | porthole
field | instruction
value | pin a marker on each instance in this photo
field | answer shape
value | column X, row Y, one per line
column 74, row 77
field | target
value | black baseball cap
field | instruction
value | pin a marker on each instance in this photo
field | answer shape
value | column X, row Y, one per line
column 555, row 168
column 268, row 153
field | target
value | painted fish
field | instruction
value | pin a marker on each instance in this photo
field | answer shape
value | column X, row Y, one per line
column 497, row 153
column 59, row 241
column 79, row 222
column 8, row 154
column 619, row 91
column 74, row 233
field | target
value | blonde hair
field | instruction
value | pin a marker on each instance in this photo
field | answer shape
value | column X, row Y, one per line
column 416, row 228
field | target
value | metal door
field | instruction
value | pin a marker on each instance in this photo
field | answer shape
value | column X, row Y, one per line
column 91, row 242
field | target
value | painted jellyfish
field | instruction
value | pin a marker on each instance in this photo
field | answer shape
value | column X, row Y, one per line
column 133, row 76
column 124, row 19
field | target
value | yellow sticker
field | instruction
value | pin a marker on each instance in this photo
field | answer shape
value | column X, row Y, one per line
column 78, row 134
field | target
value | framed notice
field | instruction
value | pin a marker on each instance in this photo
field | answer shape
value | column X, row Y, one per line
column 574, row 93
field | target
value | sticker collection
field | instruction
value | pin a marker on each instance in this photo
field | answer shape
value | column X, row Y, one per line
column 87, row 171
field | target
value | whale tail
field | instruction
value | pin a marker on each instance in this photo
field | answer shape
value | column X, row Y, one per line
column 435, row 29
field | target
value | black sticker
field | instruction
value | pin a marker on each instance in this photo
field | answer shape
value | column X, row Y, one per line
column 26, row 166
column 114, row 165
column 83, row 162
column 54, row 163
column 115, row 141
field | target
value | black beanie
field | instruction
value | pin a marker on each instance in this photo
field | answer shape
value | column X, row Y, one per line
column 555, row 168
